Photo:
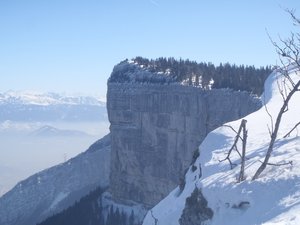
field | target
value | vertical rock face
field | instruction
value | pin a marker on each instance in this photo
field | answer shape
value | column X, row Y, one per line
column 155, row 128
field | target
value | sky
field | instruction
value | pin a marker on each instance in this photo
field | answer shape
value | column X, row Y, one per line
column 71, row 46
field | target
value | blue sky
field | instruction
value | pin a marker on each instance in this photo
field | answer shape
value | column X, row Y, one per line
column 71, row 46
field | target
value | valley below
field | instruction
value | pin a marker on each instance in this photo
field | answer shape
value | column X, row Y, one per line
column 57, row 130
column 25, row 152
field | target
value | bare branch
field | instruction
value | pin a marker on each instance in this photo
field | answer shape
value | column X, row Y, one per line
column 237, row 137
column 269, row 130
column 225, row 125
column 279, row 164
column 288, row 134
column 280, row 89
column 271, row 118
column 292, row 14
column 275, row 132
column 243, row 156
column 155, row 219
column 236, row 149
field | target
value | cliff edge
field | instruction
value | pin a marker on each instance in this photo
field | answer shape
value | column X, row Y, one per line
column 156, row 126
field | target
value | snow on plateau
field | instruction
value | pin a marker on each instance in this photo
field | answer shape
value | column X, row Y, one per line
column 273, row 198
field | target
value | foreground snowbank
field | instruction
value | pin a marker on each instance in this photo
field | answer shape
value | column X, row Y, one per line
column 274, row 198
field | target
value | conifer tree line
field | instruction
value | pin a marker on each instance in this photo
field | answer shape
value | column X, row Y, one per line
column 239, row 78
column 88, row 211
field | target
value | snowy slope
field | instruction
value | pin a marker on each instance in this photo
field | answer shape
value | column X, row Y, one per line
column 274, row 198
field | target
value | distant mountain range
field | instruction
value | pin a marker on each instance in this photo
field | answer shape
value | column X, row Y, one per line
column 28, row 106
column 48, row 98
column 49, row 131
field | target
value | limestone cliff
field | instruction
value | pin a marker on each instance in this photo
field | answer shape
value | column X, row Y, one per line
column 156, row 125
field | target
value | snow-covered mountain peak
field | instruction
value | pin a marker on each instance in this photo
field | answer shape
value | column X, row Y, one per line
column 48, row 98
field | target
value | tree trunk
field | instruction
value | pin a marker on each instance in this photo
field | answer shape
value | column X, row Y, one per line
column 242, row 172
column 275, row 132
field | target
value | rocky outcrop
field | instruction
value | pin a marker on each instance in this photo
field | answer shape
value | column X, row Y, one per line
column 156, row 127
column 52, row 190
column 196, row 211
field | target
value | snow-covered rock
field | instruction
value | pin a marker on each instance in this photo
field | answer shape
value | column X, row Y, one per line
column 58, row 187
column 274, row 198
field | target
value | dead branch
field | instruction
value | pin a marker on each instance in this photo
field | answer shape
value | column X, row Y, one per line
column 237, row 137
column 155, row 219
column 292, row 14
column 288, row 134
column 232, row 165
column 270, row 116
column 279, row 164
column 281, row 91
column 225, row 125
column 243, row 157
column 275, row 132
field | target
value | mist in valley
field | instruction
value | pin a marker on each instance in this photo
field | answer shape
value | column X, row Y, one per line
column 27, row 148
